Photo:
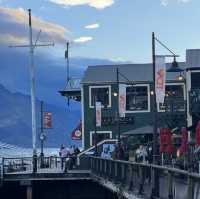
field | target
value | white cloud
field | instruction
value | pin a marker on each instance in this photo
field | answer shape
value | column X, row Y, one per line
column 119, row 59
column 92, row 26
column 166, row 2
column 83, row 39
column 16, row 22
column 98, row 4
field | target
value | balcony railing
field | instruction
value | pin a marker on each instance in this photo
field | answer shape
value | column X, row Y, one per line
column 173, row 104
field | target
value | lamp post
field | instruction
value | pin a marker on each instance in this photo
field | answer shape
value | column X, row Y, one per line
column 95, row 125
column 42, row 137
column 155, row 188
column 118, row 116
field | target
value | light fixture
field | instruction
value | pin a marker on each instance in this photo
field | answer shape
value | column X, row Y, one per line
column 174, row 67
column 151, row 92
column 115, row 94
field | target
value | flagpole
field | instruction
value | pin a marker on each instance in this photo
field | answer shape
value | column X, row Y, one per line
column 32, row 77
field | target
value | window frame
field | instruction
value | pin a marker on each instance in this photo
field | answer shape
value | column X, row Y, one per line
column 148, row 97
column 100, row 86
column 169, row 84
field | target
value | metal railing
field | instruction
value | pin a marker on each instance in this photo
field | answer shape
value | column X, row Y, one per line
column 25, row 164
column 137, row 178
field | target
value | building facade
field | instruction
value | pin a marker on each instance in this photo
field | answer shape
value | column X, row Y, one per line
column 99, row 83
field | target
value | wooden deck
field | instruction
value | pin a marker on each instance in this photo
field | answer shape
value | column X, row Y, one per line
column 48, row 174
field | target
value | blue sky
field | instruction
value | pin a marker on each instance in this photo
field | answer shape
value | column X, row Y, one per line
column 101, row 32
column 125, row 26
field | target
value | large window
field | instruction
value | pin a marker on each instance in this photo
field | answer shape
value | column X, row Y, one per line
column 174, row 98
column 102, row 94
column 137, row 98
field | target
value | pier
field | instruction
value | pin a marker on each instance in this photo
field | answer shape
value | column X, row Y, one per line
column 124, row 179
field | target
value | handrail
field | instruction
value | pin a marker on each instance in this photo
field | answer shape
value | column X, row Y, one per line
column 93, row 147
column 128, row 173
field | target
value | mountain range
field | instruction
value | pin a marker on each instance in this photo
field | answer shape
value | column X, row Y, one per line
column 15, row 121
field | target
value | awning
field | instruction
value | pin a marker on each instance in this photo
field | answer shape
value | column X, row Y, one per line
column 139, row 131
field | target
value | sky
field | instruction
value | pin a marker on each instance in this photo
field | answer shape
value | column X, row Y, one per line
column 99, row 32
column 118, row 30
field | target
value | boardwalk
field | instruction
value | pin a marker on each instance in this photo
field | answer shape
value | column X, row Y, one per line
column 127, row 179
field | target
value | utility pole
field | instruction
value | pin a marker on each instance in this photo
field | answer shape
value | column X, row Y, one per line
column 155, row 190
column 95, row 125
column 118, row 116
column 31, row 47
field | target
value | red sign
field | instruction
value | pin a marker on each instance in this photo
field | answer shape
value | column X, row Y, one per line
column 47, row 120
column 77, row 132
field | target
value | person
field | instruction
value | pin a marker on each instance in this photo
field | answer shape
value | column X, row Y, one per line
column 61, row 155
column 141, row 154
column 106, row 153
column 76, row 151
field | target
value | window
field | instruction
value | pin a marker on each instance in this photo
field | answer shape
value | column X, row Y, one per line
column 137, row 98
column 174, row 98
column 102, row 94
column 101, row 135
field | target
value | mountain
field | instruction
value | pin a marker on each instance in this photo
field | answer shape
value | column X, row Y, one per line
column 15, row 121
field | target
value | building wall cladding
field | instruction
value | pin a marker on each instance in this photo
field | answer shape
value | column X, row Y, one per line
column 140, row 119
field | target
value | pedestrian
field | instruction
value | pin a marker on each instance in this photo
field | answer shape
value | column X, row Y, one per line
column 141, row 154
column 61, row 155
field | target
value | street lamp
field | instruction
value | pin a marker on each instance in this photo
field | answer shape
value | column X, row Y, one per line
column 174, row 68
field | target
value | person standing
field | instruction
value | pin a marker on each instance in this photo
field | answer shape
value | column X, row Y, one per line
column 61, row 154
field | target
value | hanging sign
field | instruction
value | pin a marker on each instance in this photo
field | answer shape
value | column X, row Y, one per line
column 160, row 78
column 47, row 120
column 77, row 132
column 98, row 114
column 122, row 100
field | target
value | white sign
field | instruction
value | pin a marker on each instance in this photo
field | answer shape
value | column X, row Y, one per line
column 98, row 114
column 122, row 100
column 160, row 78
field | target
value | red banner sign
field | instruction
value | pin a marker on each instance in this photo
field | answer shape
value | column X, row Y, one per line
column 47, row 120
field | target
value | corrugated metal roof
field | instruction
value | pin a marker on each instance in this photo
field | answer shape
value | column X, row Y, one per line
column 133, row 72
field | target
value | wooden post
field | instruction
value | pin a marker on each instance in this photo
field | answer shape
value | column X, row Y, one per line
column 190, row 188
column 29, row 191
column 170, row 185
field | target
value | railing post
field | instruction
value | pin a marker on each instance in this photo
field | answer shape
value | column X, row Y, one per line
column 116, row 172
column 142, row 178
column 190, row 188
column 170, row 185
column 122, row 172
column 2, row 172
column 130, row 176
column 105, row 168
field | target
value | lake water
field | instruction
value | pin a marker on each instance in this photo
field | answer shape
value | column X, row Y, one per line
column 26, row 152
